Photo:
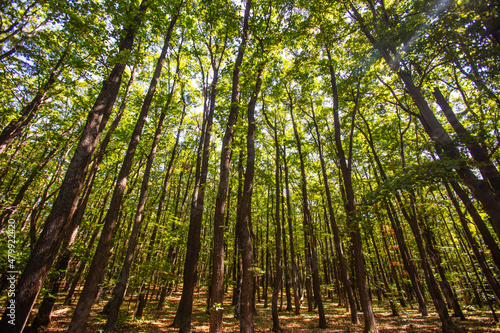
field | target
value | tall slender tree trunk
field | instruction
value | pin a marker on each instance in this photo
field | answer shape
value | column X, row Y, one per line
column 296, row 296
column 100, row 260
column 239, row 277
column 279, row 272
column 45, row 252
column 333, row 224
column 287, row 279
column 246, row 319
column 119, row 289
column 45, row 311
column 268, row 256
column 311, row 252
column 182, row 317
column 350, row 206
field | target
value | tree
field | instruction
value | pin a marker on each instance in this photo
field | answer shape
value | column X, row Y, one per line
column 36, row 271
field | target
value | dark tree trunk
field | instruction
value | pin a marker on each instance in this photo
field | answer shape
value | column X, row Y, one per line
column 43, row 256
column 246, row 318
column 333, row 224
column 100, row 260
column 182, row 317
column 287, row 280
column 239, row 276
column 44, row 314
column 350, row 206
column 120, row 287
column 279, row 273
column 295, row 287
column 45, row 311
column 311, row 252
column 268, row 257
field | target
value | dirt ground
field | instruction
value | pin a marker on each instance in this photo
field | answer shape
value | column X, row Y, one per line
column 338, row 319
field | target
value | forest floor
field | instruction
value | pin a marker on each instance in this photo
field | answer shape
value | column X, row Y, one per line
column 337, row 318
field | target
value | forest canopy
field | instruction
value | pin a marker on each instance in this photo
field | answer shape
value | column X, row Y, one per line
column 312, row 156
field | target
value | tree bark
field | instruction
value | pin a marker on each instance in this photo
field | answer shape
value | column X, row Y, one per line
column 43, row 256
column 100, row 260
column 279, row 272
column 333, row 224
column 311, row 252
column 182, row 317
column 246, row 318
column 350, row 206
column 293, row 260
column 45, row 311
column 119, row 289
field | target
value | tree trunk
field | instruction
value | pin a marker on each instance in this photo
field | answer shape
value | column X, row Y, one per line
column 45, row 311
column 296, row 296
column 288, row 281
column 333, row 224
column 100, row 260
column 182, row 317
column 350, row 206
column 239, row 277
column 279, row 273
column 246, row 318
column 43, row 256
column 120, row 287
column 311, row 251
